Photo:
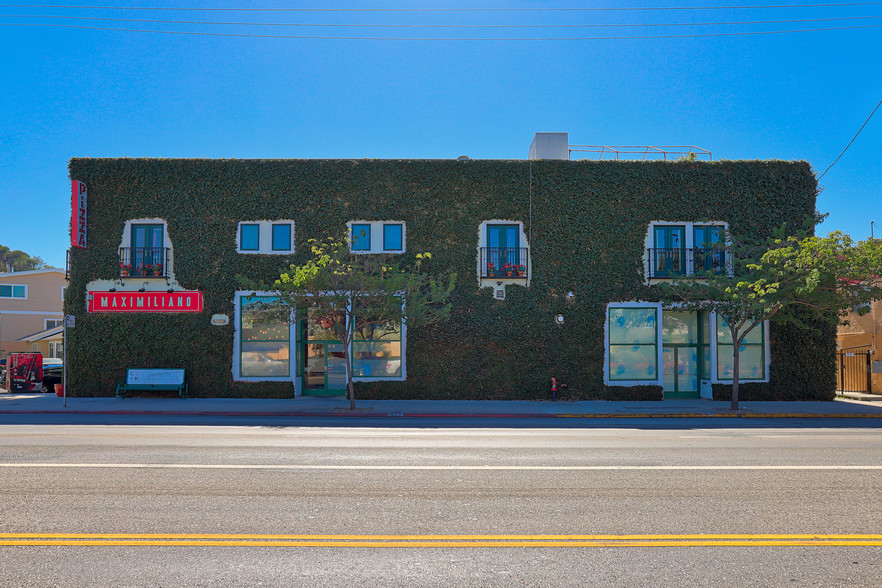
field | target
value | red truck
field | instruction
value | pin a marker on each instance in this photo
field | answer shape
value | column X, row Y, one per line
column 24, row 372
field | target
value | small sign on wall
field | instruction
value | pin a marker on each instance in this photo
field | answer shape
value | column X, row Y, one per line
column 220, row 320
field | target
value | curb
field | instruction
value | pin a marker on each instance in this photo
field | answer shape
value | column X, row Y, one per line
column 463, row 415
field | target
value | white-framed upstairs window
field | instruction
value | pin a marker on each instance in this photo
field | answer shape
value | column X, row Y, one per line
column 376, row 236
column 52, row 323
column 678, row 249
column 18, row 291
column 265, row 237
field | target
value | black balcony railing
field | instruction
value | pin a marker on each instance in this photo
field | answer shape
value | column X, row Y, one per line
column 504, row 262
column 710, row 260
column 143, row 262
column 672, row 263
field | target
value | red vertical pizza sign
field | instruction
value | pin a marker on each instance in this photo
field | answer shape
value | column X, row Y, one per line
column 78, row 214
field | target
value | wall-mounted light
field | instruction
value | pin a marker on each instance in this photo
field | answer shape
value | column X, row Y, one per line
column 142, row 289
column 559, row 319
column 170, row 291
column 112, row 290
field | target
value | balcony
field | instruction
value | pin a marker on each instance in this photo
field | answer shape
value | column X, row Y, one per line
column 674, row 263
column 510, row 263
column 143, row 262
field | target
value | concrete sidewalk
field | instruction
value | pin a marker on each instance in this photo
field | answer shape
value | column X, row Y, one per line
column 35, row 403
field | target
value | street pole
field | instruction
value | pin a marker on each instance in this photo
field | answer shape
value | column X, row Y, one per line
column 64, row 362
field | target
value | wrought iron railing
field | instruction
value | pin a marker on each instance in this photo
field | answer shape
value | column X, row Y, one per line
column 710, row 260
column 143, row 262
column 667, row 263
column 674, row 262
column 504, row 262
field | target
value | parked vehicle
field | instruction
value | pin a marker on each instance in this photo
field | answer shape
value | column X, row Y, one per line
column 24, row 372
column 53, row 373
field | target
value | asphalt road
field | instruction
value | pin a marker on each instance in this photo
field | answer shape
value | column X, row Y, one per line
column 273, row 505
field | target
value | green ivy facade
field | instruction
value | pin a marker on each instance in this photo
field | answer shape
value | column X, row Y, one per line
column 586, row 224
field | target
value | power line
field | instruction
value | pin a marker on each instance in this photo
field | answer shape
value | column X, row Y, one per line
column 852, row 140
column 439, row 26
column 596, row 9
column 348, row 38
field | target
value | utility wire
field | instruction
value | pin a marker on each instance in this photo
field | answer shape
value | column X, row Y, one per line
column 437, row 26
column 852, row 140
column 598, row 9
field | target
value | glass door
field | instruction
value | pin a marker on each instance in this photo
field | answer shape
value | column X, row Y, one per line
column 323, row 364
column 503, row 249
column 681, row 347
column 316, row 367
column 669, row 254
column 708, row 256
column 147, row 249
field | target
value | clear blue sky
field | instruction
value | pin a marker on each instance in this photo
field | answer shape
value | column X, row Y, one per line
column 81, row 92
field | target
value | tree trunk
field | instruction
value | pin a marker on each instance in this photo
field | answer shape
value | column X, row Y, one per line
column 350, row 386
column 736, row 356
column 735, row 361
column 347, row 362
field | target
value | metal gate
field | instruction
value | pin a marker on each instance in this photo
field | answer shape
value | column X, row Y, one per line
column 853, row 373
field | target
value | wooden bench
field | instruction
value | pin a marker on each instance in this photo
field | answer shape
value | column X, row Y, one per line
column 153, row 380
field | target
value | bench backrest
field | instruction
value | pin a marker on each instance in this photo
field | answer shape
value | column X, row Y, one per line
column 155, row 376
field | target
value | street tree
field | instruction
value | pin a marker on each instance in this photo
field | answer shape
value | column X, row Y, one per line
column 362, row 296
column 781, row 278
column 15, row 260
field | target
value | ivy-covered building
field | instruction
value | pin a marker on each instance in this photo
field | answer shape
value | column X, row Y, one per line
column 558, row 263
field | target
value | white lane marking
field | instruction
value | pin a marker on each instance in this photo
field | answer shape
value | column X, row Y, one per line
column 198, row 466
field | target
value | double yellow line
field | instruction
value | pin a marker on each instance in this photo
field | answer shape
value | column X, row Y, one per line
column 202, row 540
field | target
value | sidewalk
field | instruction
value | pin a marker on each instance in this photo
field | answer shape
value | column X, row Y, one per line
column 35, row 403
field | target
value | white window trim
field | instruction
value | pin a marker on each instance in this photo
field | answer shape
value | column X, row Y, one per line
column 767, row 355
column 689, row 228
column 63, row 290
column 126, row 242
column 46, row 321
column 482, row 242
column 265, row 237
column 13, row 297
column 237, row 347
column 403, row 375
column 712, row 317
column 377, row 237
column 53, row 349
column 659, row 381
column 292, row 350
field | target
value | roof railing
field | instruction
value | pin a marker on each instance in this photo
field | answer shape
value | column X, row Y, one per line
column 641, row 152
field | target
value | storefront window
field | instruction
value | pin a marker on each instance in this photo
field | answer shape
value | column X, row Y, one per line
column 633, row 343
column 265, row 338
column 376, row 350
column 751, row 362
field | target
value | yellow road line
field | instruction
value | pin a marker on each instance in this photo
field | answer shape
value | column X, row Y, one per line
column 234, row 540
column 298, row 537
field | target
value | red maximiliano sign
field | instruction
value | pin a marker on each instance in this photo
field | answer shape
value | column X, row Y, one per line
column 182, row 301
